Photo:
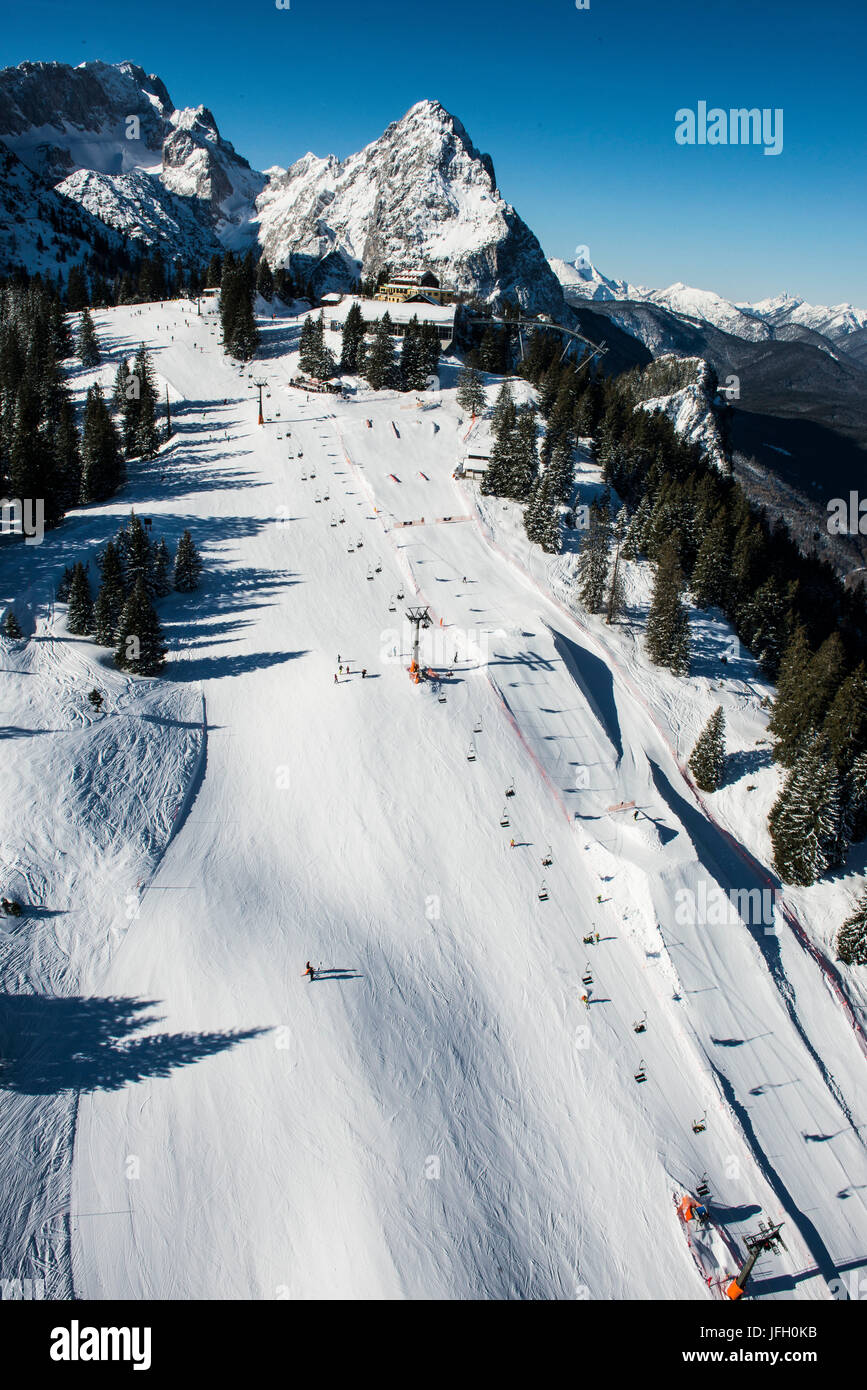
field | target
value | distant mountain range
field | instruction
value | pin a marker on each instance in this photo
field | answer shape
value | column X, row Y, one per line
column 800, row 370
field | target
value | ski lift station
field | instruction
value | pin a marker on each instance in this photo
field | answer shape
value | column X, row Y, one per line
column 473, row 465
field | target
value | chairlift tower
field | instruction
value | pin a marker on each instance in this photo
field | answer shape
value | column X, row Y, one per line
column 419, row 617
column 766, row 1238
column 261, row 386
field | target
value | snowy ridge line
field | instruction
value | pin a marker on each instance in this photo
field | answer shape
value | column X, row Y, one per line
column 831, row 974
column 516, row 729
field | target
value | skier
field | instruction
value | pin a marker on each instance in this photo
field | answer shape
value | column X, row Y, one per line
column 585, row 1001
column 363, row 672
column 341, row 670
column 511, row 844
column 310, row 971
column 336, row 681
column 464, row 580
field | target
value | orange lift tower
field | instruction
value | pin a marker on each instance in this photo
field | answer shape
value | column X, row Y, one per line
column 766, row 1238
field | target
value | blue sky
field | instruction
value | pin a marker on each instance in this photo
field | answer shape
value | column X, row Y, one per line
column 576, row 107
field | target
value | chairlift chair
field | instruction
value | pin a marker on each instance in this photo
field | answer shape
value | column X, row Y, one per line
column 641, row 1074
column 587, row 977
column 471, row 755
column 510, row 790
column 548, row 859
column 640, row 1024
column 543, row 892
column 699, row 1126
column 504, row 817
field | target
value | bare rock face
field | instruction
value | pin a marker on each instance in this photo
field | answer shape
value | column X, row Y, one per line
column 421, row 194
column 109, row 137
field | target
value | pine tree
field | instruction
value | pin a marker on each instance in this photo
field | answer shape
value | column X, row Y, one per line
column 855, row 799
column 79, row 616
column 62, row 592
column 101, row 462
column 710, row 583
column 414, row 358
column 188, row 565
column 162, row 569
column 504, row 408
column 667, row 636
column 110, row 598
column 845, row 724
column 806, row 821
column 325, row 365
column 708, row 757
column 118, row 394
column 523, row 457
column 139, row 646
column 593, row 558
column 471, row 391
column 308, row 347
column 852, row 936
column 136, row 556
column 353, row 340
column 805, row 688
column 87, row 344
column 380, row 367
column 11, row 626
column 616, row 600
column 561, row 470
column 145, row 439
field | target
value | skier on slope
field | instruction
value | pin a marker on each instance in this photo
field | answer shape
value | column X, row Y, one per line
column 585, row 1001
column 310, row 971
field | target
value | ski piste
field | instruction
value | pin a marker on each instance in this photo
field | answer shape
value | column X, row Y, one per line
column 386, row 846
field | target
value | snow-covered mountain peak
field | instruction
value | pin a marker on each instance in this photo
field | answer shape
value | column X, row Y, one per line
column 419, row 194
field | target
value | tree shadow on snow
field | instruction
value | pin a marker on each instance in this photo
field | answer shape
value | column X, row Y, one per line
column 51, row 1044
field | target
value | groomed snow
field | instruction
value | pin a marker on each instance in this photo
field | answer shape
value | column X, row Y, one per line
column 438, row 1115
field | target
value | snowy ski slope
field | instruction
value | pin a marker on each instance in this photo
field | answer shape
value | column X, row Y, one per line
column 437, row 1115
